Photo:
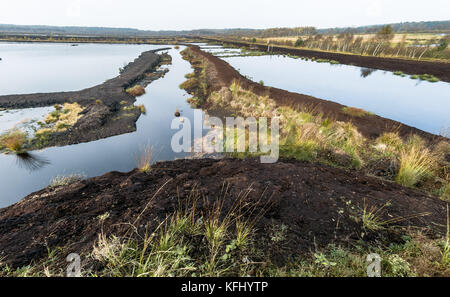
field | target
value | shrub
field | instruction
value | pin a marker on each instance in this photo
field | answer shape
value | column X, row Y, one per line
column 443, row 45
column 189, row 84
column 13, row 140
column 136, row 91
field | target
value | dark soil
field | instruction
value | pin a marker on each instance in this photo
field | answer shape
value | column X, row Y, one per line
column 438, row 69
column 319, row 204
column 102, row 115
column 221, row 74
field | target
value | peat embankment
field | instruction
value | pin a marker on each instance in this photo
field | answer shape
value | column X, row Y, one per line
column 221, row 74
column 319, row 205
column 438, row 69
column 103, row 115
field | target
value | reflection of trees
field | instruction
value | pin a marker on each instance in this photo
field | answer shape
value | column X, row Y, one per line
column 365, row 72
column 31, row 162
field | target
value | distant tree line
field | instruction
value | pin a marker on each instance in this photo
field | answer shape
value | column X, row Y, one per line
column 409, row 27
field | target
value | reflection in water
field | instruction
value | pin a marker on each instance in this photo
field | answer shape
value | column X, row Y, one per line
column 31, row 162
column 365, row 72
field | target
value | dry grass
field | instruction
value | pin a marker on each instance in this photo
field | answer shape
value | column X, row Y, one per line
column 13, row 141
column 411, row 38
column 145, row 159
column 355, row 112
column 61, row 119
column 136, row 91
column 65, row 180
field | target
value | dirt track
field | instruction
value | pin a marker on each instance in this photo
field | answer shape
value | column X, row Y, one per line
column 438, row 69
column 221, row 74
column 315, row 201
column 102, row 114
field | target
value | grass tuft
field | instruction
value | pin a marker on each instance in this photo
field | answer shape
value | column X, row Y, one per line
column 355, row 112
column 145, row 159
column 66, row 180
column 416, row 161
column 13, row 141
column 136, row 91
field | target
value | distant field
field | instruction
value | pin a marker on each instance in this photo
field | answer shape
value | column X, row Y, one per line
column 411, row 38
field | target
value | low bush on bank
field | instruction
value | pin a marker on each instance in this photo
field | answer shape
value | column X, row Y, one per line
column 66, row 180
column 429, row 78
column 136, row 91
column 60, row 119
column 189, row 84
column 13, row 141
column 355, row 112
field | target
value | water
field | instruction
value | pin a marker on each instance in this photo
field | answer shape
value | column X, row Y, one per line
column 48, row 67
column 416, row 103
column 20, row 177
column 23, row 119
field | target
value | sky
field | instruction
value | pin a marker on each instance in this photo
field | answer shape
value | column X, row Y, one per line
column 198, row 14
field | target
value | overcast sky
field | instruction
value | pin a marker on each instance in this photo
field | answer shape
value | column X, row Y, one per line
column 195, row 14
